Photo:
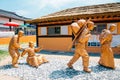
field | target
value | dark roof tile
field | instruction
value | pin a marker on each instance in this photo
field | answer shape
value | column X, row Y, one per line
column 12, row 15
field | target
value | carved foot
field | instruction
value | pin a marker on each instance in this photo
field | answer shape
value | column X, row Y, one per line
column 70, row 66
column 87, row 70
column 15, row 66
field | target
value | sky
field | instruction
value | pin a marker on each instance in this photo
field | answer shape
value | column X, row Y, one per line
column 37, row 8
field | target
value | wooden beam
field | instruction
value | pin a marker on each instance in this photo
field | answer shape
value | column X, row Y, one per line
column 107, row 19
column 56, row 19
column 55, row 23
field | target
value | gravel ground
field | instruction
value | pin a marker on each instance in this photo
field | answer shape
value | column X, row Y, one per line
column 56, row 69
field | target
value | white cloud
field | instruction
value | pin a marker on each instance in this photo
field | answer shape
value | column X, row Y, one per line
column 41, row 7
column 59, row 3
column 49, row 3
column 22, row 12
column 40, row 4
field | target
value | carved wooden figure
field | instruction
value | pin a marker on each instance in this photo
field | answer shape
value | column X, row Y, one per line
column 13, row 48
column 80, row 44
column 33, row 59
column 107, row 58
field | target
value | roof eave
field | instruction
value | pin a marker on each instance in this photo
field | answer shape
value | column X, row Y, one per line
column 40, row 20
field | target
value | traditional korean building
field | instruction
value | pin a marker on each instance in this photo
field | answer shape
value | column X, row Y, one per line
column 54, row 33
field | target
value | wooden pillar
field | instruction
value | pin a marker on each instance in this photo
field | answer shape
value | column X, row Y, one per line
column 39, row 31
column 118, row 28
column 10, row 26
column 37, row 35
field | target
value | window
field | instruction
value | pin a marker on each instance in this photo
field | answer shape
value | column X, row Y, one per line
column 93, row 43
column 53, row 30
column 43, row 31
column 98, row 28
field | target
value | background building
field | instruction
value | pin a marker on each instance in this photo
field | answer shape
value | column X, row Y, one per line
column 7, row 16
column 54, row 33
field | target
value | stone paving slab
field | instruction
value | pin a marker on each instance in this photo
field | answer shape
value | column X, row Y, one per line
column 56, row 69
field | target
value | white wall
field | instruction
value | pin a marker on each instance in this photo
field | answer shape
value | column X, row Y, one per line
column 43, row 30
column 4, row 20
column 64, row 30
column 115, row 41
column 7, row 34
column 17, row 21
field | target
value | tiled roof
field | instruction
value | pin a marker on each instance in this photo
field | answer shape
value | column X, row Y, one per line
column 11, row 15
column 94, row 9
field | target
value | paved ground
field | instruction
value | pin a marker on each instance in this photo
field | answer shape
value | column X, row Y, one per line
column 56, row 69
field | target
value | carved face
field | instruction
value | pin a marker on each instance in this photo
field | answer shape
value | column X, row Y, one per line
column 21, row 33
column 112, row 27
column 31, row 44
column 90, row 25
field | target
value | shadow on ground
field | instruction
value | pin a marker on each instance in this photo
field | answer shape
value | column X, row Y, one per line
column 65, row 73
column 9, row 66
column 70, row 73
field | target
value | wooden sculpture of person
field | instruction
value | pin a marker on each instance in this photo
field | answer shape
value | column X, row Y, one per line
column 76, row 28
column 33, row 59
column 80, row 45
column 107, row 57
column 13, row 48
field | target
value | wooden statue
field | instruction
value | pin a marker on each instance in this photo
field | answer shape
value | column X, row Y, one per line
column 33, row 59
column 80, row 44
column 107, row 58
column 13, row 48
column 77, row 29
